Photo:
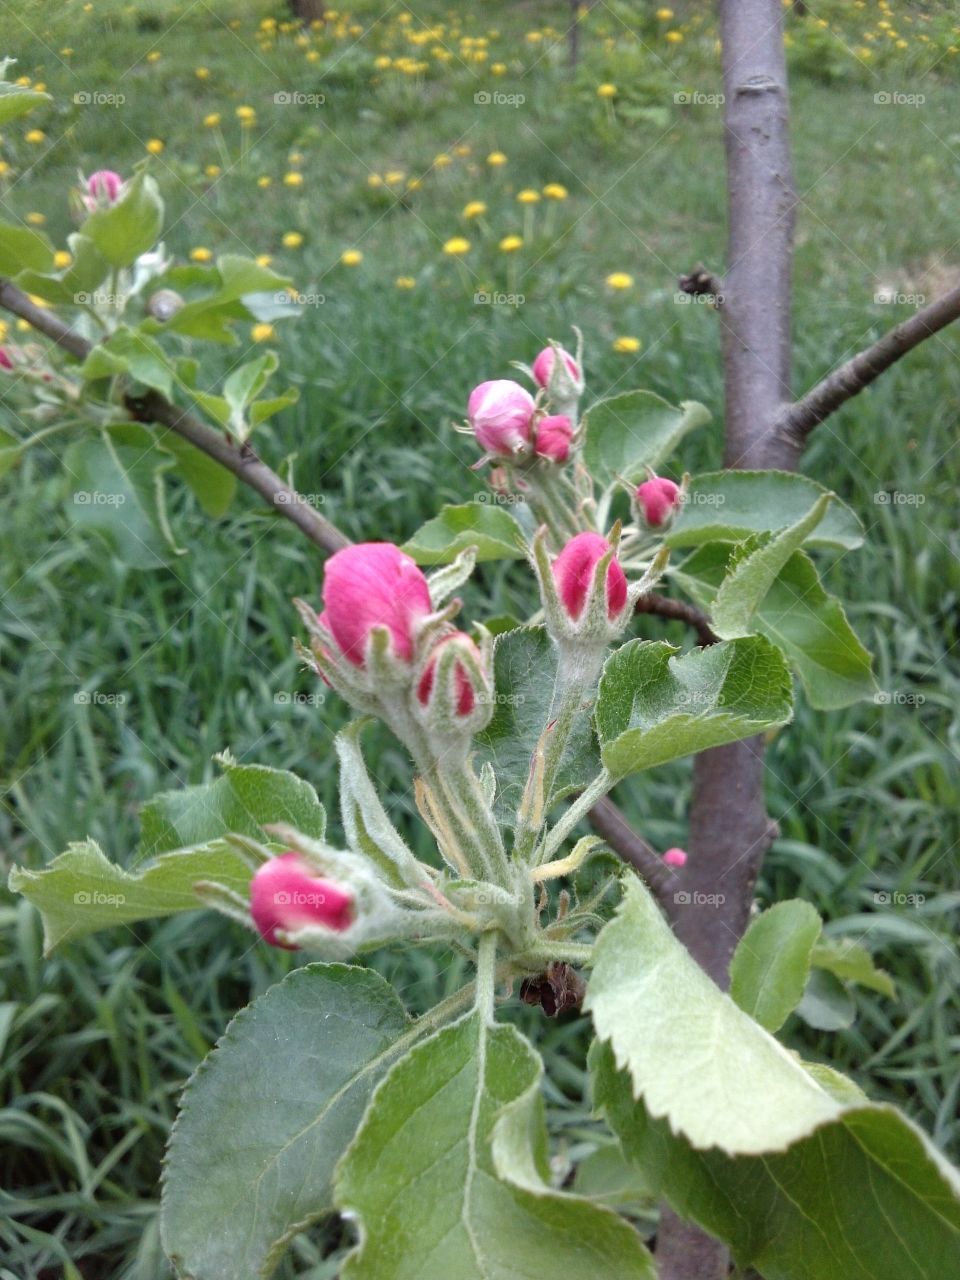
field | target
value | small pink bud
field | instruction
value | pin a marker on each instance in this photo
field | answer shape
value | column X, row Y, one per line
column 373, row 584
column 553, row 437
column 675, row 858
column 657, row 499
column 466, row 697
column 500, row 413
column 103, row 187
column 5, row 361
column 573, row 572
column 285, row 893
column 543, row 366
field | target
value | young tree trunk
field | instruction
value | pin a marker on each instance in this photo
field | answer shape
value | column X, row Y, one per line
column 729, row 828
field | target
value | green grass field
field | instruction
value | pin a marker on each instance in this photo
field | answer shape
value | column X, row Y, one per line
column 97, row 1041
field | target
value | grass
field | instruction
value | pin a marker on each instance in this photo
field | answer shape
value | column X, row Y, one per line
column 98, row 1040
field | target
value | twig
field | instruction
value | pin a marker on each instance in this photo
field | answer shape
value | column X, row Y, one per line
column 678, row 611
column 607, row 820
column 796, row 421
column 156, row 408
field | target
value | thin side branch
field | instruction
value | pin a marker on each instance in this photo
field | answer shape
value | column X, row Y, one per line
column 678, row 611
column 608, row 822
column 156, row 408
column 796, row 421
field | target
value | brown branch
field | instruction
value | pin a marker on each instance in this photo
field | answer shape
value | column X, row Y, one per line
column 156, row 408
column 795, row 422
column 678, row 611
column 608, row 822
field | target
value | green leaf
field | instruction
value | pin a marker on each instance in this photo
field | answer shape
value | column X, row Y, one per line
column 17, row 99
column 864, row 1196
column 629, row 432
column 524, row 672
column 129, row 351
column 210, row 317
column 22, row 248
column 754, row 569
column 493, row 531
column 653, row 707
column 443, row 1190
column 75, row 284
column 117, row 480
column 268, row 1113
column 850, row 962
column 826, row 1003
column 261, row 410
column 607, row 1177
column 212, row 484
column 241, row 801
column 240, row 391
column 82, row 891
column 799, row 616
column 130, row 226
column 11, row 451
column 771, row 965
column 730, row 505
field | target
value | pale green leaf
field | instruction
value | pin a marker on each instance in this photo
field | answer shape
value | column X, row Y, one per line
column 74, row 285
column 771, row 965
column 489, row 528
column 268, row 1113
column 129, row 227
column 629, row 432
column 17, row 99
column 850, row 962
column 129, row 351
column 826, row 1005
column 653, row 706
column 22, row 248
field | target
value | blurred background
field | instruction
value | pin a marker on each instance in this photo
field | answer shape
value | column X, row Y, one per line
column 448, row 189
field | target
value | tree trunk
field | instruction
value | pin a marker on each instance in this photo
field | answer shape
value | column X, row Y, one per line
column 729, row 828
column 307, row 11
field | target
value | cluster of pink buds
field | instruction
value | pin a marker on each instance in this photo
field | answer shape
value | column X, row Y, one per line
column 380, row 642
column 103, row 188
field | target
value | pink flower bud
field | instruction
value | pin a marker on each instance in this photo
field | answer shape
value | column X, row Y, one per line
column 466, row 697
column 553, row 437
column 657, row 498
column 675, row 858
column 500, row 413
column 573, row 572
column 543, row 366
column 373, row 584
column 286, row 894
column 103, row 187
column 5, row 361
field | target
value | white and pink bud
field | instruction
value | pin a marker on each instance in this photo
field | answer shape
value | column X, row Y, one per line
column 552, row 438
column 286, row 894
column 656, row 500
column 500, row 414
column 543, row 366
column 103, row 189
column 561, row 375
column 373, row 585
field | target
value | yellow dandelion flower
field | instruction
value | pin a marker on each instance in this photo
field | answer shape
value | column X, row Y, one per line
column 626, row 346
column 619, row 280
column 212, row 120
column 263, row 182
column 393, row 176
column 474, row 209
column 498, row 68
column 496, row 159
column 293, row 179
column 414, row 184
column 528, row 196
column 245, row 114
column 35, row 136
column 442, row 160
column 674, row 37
column 606, row 90
column 664, row 14
column 264, row 259
column 36, row 219
column 462, row 150
column 4, row 167
column 4, row 330
column 200, row 255
column 295, row 159
column 155, row 146
column 456, row 246
column 382, row 62
column 154, row 55
column 555, row 191
column 62, row 259
column 510, row 244
column 405, row 282
column 292, row 240
column 202, row 73
column 374, row 180
column 351, row 257
column 212, row 171
column 262, row 333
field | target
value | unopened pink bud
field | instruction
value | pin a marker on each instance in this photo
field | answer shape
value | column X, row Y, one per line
column 675, row 858
column 466, row 697
column 657, row 499
column 553, row 437
column 500, row 413
column 573, row 572
column 103, row 187
column 5, row 361
column 285, row 893
column 543, row 366
column 373, row 584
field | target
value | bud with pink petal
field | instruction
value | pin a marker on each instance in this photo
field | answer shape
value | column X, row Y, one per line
column 454, row 689
column 103, row 188
column 285, row 893
column 543, row 366
column 574, row 571
column 500, row 413
column 552, row 438
column 675, row 857
column 5, row 361
column 371, row 585
column 656, row 500
column 561, row 376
